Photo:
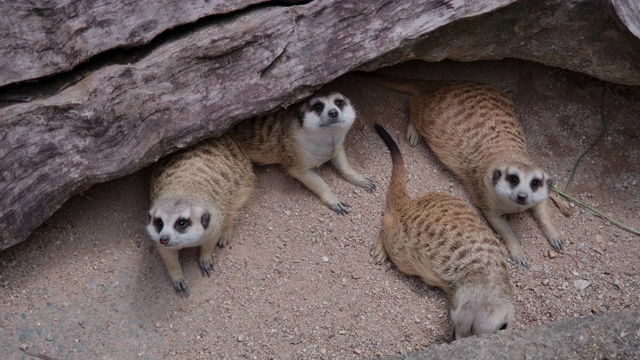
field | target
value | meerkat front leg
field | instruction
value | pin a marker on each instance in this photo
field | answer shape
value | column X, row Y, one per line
column 206, row 251
column 541, row 215
column 315, row 183
column 500, row 225
column 172, row 263
column 342, row 164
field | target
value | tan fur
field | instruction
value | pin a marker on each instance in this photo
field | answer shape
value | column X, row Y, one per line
column 473, row 130
column 441, row 238
column 302, row 138
column 205, row 185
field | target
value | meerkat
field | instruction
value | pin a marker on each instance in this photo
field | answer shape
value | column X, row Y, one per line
column 303, row 137
column 442, row 239
column 472, row 128
column 195, row 197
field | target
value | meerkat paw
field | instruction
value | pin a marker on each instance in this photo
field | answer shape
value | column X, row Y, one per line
column 339, row 207
column 379, row 255
column 206, row 265
column 368, row 184
column 181, row 287
column 519, row 258
column 224, row 239
column 556, row 243
column 413, row 136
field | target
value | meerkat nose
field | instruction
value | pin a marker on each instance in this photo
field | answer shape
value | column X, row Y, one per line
column 164, row 241
column 333, row 113
column 522, row 197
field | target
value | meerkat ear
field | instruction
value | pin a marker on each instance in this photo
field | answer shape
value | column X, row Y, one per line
column 204, row 220
column 549, row 183
column 301, row 116
column 497, row 174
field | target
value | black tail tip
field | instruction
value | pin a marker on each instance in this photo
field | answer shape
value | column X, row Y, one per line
column 380, row 129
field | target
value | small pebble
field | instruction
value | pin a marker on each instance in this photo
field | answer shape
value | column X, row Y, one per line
column 553, row 254
column 545, row 282
column 581, row 284
column 241, row 338
column 24, row 346
column 323, row 351
column 296, row 340
column 158, row 325
column 325, row 259
column 49, row 337
column 287, row 212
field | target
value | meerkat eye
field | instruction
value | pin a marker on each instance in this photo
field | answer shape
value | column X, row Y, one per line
column 339, row 103
column 535, row 183
column 513, row 179
column 318, row 106
column 503, row 326
column 158, row 224
column 182, row 223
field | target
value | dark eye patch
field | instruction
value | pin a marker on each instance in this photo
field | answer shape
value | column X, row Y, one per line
column 158, row 224
column 317, row 107
column 181, row 224
column 339, row 103
column 514, row 180
column 535, row 184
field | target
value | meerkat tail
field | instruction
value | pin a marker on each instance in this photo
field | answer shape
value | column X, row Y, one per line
column 398, row 185
column 401, row 85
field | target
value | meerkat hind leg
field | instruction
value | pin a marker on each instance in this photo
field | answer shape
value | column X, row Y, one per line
column 315, row 183
column 378, row 253
column 342, row 164
column 172, row 263
column 540, row 213
column 413, row 136
column 500, row 225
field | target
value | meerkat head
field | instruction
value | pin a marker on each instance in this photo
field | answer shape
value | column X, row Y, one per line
column 521, row 185
column 329, row 111
column 480, row 309
column 177, row 223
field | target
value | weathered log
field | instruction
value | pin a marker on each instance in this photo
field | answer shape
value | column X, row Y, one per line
column 195, row 84
column 61, row 34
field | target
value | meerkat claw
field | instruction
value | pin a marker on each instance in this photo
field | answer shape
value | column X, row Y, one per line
column 370, row 185
column 340, row 207
column 207, row 267
column 556, row 244
column 181, row 288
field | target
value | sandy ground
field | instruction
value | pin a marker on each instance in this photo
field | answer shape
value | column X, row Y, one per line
column 298, row 281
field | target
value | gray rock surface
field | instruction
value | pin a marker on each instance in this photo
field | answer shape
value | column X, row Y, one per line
column 610, row 336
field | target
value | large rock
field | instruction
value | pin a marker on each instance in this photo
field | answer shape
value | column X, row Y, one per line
column 610, row 336
column 121, row 110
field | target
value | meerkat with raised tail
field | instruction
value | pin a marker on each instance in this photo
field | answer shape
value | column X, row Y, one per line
column 303, row 137
column 195, row 197
column 472, row 128
column 442, row 239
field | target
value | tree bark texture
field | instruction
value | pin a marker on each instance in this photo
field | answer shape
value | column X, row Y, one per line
column 95, row 90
